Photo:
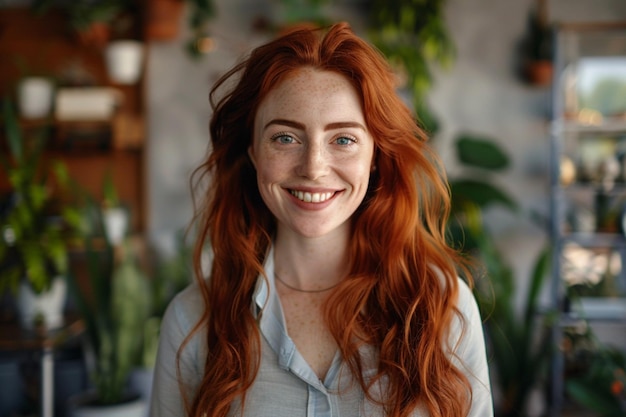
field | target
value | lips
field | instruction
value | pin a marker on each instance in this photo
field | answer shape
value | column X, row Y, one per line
column 309, row 197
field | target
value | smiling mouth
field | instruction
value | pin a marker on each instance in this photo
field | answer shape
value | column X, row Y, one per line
column 311, row 197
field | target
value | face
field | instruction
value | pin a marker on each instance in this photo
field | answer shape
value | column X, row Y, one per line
column 312, row 152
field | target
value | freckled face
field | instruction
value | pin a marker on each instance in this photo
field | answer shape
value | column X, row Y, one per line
column 312, row 152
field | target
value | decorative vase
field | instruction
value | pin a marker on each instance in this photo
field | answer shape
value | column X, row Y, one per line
column 34, row 96
column 124, row 61
column 45, row 308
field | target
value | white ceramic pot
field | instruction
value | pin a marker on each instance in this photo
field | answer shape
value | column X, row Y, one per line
column 84, row 405
column 124, row 60
column 47, row 306
column 115, row 224
column 34, row 96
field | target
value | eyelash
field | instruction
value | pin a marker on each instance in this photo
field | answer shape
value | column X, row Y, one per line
column 279, row 135
column 349, row 138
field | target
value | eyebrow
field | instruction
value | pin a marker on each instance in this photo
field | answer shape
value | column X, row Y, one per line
column 330, row 126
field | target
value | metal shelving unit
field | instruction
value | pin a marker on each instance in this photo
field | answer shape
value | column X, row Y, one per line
column 592, row 140
column 588, row 172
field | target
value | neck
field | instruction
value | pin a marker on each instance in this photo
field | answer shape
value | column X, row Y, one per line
column 306, row 264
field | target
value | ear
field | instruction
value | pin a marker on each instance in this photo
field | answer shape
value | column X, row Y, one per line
column 251, row 155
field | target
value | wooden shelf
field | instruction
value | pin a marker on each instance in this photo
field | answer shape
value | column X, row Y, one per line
column 45, row 45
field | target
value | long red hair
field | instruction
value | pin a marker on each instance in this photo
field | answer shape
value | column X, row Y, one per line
column 399, row 295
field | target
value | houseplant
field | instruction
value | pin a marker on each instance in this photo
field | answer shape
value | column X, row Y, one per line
column 537, row 47
column 33, row 246
column 600, row 384
column 519, row 342
column 411, row 34
column 93, row 21
column 163, row 18
column 114, row 305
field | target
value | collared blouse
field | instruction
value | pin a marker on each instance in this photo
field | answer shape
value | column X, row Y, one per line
column 285, row 385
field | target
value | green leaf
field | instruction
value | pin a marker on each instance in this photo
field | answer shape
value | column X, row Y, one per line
column 12, row 130
column 481, row 153
column 589, row 395
column 483, row 194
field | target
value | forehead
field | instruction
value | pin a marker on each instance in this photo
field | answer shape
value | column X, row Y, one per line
column 309, row 90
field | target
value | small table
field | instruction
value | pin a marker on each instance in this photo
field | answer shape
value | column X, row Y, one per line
column 13, row 337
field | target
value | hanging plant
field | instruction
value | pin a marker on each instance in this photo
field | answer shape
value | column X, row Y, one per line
column 413, row 35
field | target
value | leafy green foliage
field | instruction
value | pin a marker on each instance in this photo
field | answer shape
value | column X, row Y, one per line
column 602, row 389
column 115, row 308
column 201, row 11
column 82, row 13
column 412, row 34
column 481, row 153
column 32, row 241
column 518, row 360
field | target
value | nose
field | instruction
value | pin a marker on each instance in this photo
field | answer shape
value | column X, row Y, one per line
column 314, row 162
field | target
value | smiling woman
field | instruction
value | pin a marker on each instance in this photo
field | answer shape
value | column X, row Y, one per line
column 313, row 156
column 331, row 285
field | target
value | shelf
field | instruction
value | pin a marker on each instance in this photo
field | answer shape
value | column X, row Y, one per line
column 595, row 187
column 595, row 239
column 596, row 309
column 589, row 128
column 561, row 126
column 89, row 148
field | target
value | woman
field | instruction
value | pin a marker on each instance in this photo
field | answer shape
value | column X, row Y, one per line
column 331, row 290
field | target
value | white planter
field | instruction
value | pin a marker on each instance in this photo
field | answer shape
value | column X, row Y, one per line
column 34, row 97
column 124, row 60
column 115, row 224
column 48, row 305
column 83, row 405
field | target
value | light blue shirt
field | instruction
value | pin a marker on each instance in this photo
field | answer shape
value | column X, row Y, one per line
column 285, row 385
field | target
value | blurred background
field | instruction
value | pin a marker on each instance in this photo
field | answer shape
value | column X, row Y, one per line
column 525, row 101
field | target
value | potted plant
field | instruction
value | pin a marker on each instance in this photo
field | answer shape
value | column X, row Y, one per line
column 115, row 217
column 93, row 21
column 33, row 245
column 599, row 383
column 163, row 18
column 114, row 304
column 537, row 47
column 519, row 361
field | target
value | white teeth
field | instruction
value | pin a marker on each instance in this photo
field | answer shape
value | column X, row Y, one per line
column 311, row 197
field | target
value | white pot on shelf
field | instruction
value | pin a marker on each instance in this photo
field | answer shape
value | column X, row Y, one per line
column 45, row 308
column 34, row 97
column 124, row 61
column 115, row 224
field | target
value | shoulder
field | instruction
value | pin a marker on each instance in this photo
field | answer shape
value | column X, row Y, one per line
column 185, row 309
column 180, row 318
column 466, row 301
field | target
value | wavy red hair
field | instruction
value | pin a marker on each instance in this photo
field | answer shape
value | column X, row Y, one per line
column 399, row 296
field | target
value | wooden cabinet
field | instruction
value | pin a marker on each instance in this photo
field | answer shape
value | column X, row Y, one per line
column 32, row 44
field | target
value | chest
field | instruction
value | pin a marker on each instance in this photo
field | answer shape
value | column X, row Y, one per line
column 308, row 330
